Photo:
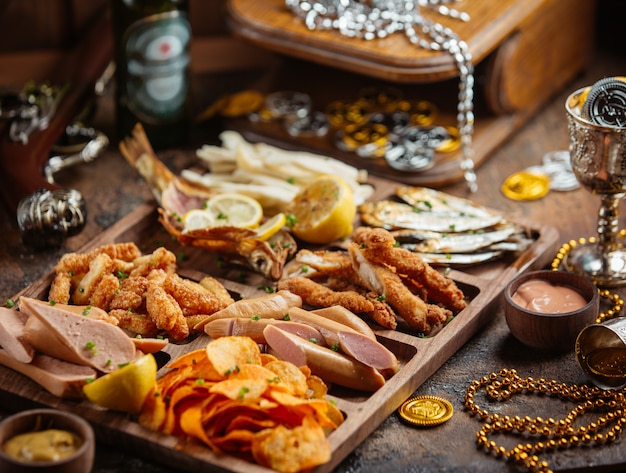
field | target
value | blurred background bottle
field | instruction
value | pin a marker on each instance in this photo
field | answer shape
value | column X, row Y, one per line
column 152, row 69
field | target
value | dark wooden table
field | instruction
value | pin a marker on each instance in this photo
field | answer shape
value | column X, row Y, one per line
column 112, row 190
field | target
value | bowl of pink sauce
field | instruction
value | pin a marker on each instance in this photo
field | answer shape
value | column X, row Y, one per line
column 547, row 309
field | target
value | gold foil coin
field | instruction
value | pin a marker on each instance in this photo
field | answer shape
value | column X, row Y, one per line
column 426, row 411
column 524, row 185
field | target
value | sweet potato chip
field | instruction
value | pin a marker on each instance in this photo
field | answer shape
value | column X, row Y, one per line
column 228, row 353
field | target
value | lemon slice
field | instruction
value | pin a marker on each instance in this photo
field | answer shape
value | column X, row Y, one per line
column 271, row 226
column 126, row 388
column 234, row 209
column 323, row 210
column 197, row 219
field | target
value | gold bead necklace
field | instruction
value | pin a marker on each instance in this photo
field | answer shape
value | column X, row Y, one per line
column 615, row 299
column 553, row 434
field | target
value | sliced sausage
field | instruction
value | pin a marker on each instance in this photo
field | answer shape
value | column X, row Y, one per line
column 273, row 306
column 329, row 365
column 253, row 328
column 12, row 338
column 62, row 379
column 344, row 316
column 360, row 347
column 57, row 332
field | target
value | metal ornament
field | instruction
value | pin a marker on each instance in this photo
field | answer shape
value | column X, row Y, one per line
column 380, row 18
column 46, row 218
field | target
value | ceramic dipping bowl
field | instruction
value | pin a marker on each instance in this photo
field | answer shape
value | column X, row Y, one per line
column 554, row 330
column 80, row 461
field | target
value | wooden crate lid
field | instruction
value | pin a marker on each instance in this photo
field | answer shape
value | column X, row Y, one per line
column 272, row 25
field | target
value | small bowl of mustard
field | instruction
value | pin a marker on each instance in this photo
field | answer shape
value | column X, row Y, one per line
column 46, row 441
column 547, row 309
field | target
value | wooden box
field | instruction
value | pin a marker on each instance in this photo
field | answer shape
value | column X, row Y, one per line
column 523, row 51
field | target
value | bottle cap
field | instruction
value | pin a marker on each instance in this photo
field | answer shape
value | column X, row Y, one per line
column 426, row 411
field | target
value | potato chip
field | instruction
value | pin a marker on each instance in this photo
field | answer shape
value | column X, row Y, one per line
column 242, row 389
column 317, row 386
column 228, row 353
column 251, row 371
column 289, row 376
column 267, row 358
column 226, row 398
column 292, row 450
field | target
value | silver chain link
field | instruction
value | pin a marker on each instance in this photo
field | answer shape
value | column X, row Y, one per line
column 372, row 19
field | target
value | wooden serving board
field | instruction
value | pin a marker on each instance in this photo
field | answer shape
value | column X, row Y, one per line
column 419, row 357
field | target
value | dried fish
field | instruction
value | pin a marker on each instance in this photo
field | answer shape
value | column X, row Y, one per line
column 435, row 242
column 396, row 215
column 445, row 229
column 461, row 259
column 423, row 199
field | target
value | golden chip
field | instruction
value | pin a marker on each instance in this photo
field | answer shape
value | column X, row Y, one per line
column 229, row 353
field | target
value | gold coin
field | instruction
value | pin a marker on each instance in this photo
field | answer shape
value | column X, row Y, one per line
column 422, row 112
column 343, row 113
column 452, row 143
column 524, row 185
column 242, row 103
column 426, row 411
column 357, row 135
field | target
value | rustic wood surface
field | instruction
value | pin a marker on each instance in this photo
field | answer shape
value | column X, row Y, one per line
column 112, row 191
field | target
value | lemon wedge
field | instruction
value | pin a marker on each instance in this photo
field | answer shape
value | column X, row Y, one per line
column 126, row 388
column 235, row 209
column 323, row 210
column 197, row 219
column 271, row 226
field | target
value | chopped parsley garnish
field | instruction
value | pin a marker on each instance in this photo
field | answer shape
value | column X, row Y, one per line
column 291, row 220
column 91, row 346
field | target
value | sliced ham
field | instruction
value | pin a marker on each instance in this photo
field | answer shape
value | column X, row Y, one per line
column 55, row 331
column 12, row 338
column 62, row 379
column 150, row 345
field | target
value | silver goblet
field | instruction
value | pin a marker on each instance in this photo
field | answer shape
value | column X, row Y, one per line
column 598, row 156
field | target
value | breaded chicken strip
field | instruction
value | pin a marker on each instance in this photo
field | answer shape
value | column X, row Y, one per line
column 378, row 246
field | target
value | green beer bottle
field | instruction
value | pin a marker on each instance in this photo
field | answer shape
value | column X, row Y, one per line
column 152, row 69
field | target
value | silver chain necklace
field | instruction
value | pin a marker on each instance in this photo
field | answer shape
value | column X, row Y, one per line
column 372, row 19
